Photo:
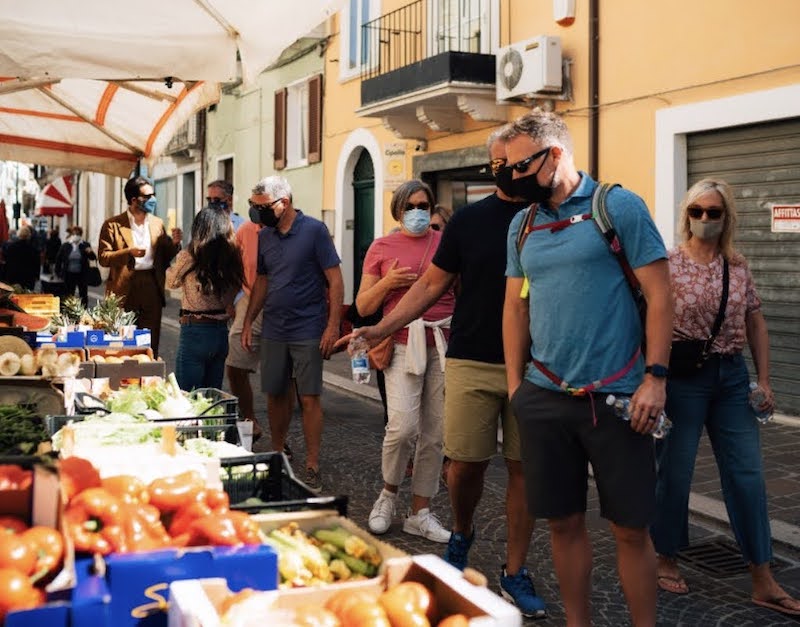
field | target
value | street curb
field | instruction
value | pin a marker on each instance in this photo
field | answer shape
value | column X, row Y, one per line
column 712, row 509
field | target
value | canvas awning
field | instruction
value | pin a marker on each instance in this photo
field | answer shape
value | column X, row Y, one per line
column 98, row 85
column 57, row 198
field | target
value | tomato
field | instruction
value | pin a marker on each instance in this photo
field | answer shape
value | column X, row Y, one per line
column 49, row 548
column 12, row 524
column 17, row 553
column 13, row 477
column 17, row 592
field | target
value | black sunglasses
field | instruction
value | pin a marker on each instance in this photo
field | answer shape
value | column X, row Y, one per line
column 497, row 164
column 146, row 196
column 214, row 201
column 425, row 206
column 697, row 212
column 262, row 207
column 522, row 166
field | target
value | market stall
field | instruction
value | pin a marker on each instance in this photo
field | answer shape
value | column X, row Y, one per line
column 128, row 501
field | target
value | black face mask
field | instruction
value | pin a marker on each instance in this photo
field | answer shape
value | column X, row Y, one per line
column 504, row 182
column 268, row 217
column 529, row 189
column 254, row 215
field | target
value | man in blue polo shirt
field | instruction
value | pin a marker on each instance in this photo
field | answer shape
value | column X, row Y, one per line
column 579, row 323
column 297, row 264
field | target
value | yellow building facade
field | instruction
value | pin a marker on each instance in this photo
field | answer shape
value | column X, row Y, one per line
column 657, row 96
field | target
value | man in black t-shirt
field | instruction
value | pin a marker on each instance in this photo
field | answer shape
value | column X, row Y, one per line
column 473, row 249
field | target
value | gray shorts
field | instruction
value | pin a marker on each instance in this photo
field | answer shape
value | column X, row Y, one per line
column 282, row 361
column 237, row 356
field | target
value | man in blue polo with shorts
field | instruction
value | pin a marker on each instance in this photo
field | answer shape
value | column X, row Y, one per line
column 577, row 322
column 297, row 265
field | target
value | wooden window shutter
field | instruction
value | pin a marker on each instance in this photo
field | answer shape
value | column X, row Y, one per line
column 315, row 119
column 280, row 130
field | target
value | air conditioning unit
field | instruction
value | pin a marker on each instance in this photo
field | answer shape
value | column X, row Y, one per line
column 529, row 67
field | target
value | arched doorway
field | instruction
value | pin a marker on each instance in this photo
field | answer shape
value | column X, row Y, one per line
column 363, row 213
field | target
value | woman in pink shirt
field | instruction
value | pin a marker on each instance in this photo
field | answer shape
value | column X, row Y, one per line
column 715, row 394
column 415, row 377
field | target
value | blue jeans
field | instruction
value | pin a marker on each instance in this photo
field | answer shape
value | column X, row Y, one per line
column 717, row 398
column 202, row 349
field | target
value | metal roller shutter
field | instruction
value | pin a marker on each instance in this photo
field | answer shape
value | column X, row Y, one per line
column 762, row 163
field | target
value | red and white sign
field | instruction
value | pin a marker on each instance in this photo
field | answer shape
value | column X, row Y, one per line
column 786, row 218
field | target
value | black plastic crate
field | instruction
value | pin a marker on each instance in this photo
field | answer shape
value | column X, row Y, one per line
column 269, row 478
column 218, row 428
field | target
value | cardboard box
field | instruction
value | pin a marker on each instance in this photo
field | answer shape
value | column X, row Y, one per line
column 46, row 509
column 133, row 590
column 70, row 339
column 130, row 371
column 192, row 602
column 139, row 337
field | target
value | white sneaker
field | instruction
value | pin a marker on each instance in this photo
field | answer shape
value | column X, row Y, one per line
column 382, row 514
column 425, row 524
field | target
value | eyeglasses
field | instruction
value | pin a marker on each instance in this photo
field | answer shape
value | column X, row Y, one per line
column 497, row 164
column 262, row 207
column 146, row 196
column 522, row 166
column 713, row 213
column 425, row 206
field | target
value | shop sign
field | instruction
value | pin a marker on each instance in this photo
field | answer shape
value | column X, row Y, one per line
column 786, row 218
column 394, row 170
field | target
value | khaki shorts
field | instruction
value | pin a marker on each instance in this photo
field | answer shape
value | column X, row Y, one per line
column 475, row 400
column 237, row 356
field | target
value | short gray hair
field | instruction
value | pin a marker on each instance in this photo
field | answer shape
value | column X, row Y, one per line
column 495, row 136
column 223, row 185
column 544, row 127
column 275, row 187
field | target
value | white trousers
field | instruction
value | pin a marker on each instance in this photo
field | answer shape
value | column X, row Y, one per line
column 416, row 409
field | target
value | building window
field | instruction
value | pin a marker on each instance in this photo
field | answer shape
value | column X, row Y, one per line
column 298, row 124
column 225, row 169
column 354, row 48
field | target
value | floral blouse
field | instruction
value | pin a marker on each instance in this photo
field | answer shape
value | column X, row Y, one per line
column 697, row 290
column 193, row 298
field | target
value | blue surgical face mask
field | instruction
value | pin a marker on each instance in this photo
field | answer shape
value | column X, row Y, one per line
column 149, row 205
column 416, row 220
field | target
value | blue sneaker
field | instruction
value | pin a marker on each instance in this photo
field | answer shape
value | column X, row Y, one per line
column 518, row 589
column 457, row 549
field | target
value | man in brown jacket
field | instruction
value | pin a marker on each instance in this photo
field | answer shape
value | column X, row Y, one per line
column 137, row 250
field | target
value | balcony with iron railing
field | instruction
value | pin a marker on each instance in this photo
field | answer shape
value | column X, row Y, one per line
column 429, row 52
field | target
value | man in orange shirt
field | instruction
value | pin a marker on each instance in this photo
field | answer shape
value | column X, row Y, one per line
column 240, row 363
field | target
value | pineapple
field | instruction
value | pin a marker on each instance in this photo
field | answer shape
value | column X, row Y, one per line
column 110, row 316
column 72, row 308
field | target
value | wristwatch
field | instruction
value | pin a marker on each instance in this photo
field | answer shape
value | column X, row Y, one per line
column 657, row 370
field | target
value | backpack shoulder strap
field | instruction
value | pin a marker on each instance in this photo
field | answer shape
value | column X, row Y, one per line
column 525, row 226
column 603, row 222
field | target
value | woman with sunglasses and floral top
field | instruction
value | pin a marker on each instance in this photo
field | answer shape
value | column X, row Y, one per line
column 415, row 375
column 715, row 395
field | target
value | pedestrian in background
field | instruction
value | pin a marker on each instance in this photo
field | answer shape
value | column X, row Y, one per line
column 415, row 375
column 137, row 250
column 72, row 264
column 472, row 252
column 579, row 324
column 715, row 395
column 440, row 216
column 51, row 250
column 22, row 260
column 219, row 195
column 210, row 273
column 297, row 265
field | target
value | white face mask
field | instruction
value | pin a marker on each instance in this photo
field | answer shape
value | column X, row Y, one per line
column 706, row 230
column 75, row 239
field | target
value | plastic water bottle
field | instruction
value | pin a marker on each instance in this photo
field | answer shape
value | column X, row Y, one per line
column 622, row 408
column 359, row 362
column 757, row 396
